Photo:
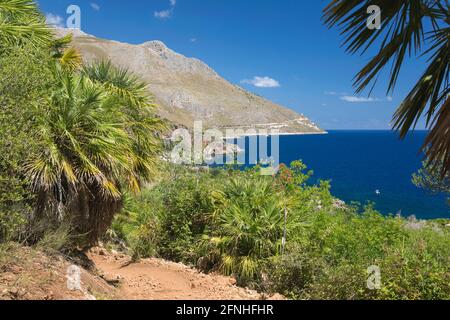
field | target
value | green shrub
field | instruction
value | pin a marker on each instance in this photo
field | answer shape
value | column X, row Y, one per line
column 167, row 220
column 53, row 241
column 187, row 211
column 248, row 227
column 330, row 260
column 419, row 267
column 138, row 225
column 23, row 82
column 232, row 221
column 11, row 225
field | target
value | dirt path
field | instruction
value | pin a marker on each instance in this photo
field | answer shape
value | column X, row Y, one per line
column 31, row 274
column 156, row 279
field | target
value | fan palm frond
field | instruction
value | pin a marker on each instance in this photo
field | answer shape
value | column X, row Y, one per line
column 71, row 58
column 250, row 219
column 21, row 21
column 409, row 27
column 120, row 82
column 92, row 147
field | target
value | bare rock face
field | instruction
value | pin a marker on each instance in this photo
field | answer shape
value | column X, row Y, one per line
column 188, row 90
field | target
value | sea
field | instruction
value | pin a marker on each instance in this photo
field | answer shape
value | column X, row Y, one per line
column 368, row 166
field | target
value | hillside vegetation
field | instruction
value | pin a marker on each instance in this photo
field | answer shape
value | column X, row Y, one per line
column 80, row 162
column 233, row 222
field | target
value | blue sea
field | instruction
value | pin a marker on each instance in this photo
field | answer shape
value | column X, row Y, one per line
column 359, row 163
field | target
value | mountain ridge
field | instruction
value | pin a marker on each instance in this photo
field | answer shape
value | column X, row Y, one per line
column 188, row 90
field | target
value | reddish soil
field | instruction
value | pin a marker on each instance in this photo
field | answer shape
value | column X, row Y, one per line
column 29, row 274
column 156, row 279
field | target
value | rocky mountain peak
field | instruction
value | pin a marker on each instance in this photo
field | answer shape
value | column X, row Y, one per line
column 188, row 90
column 156, row 45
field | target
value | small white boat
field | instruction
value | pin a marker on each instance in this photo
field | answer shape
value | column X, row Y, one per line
column 378, row 192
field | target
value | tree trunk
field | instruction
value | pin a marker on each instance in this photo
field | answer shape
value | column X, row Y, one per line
column 92, row 214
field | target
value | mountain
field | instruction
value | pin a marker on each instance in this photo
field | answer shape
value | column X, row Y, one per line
column 188, row 90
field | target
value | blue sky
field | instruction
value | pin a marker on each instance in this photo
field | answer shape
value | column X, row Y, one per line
column 279, row 49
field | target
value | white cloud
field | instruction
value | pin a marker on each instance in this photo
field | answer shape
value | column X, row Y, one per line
column 335, row 93
column 262, row 82
column 95, row 6
column 354, row 99
column 193, row 40
column 54, row 20
column 166, row 14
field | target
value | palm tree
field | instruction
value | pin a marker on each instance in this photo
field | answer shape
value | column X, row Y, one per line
column 20, row 20
column 408, row 27
column 66, row 56
column 22, row 24
column 99, row 136
column 250, row 226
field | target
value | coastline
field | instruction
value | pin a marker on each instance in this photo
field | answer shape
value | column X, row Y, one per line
column 278, row 134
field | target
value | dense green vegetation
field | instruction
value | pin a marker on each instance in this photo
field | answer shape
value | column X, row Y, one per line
column 73, row 136
column 23, row 80
column 232, row 222
column 78, row 142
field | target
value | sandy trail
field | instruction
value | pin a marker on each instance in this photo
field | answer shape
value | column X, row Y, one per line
column 156, row 279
